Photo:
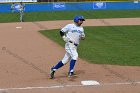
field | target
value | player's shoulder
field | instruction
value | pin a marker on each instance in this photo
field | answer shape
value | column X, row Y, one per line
column 70, row 25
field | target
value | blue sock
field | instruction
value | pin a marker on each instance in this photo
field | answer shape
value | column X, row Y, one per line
column 72, row 64
column 59, row 65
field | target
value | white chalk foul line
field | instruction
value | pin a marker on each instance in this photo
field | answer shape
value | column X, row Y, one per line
column 126, row 83
column 63, row 86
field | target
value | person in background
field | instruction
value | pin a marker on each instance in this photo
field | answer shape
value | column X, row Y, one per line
column 21, row 11
column 13, row 7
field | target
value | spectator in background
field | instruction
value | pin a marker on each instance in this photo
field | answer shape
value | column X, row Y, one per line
column 13, row 7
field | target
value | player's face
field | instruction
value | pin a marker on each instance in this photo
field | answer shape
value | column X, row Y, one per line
column 79, row 22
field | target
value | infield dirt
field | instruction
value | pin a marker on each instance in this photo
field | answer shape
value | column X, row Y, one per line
column 26, row 57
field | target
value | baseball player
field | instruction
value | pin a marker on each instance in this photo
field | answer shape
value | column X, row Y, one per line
column 71, row 34
column 13, row 7
column 21, row 11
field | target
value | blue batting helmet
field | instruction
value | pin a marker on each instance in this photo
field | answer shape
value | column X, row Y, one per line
column 78, row 17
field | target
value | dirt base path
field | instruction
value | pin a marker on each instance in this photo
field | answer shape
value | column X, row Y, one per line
column 26, row 57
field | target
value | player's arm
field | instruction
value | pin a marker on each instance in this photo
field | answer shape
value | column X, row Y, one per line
column 83, row 37
column 67, row 39
column 62, row 34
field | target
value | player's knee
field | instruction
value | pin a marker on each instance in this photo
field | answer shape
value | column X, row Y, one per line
column 75, row 57
column 64, row 62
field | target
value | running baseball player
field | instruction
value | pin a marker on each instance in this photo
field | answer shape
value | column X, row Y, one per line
column 71, row 34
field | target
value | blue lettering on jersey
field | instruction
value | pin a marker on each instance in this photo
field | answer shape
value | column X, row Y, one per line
column 76, row 31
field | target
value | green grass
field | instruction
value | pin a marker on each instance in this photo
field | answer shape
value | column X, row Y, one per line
column 107, row 45
column 92, row 14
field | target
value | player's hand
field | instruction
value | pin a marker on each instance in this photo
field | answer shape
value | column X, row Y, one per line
column 83, row 37
column 65, row 39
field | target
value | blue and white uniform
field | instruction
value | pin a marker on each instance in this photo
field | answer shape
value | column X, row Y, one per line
column 73, row 33
column 21, row 11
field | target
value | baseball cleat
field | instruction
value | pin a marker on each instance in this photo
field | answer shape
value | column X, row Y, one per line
column 52, row 74
column 71, row 74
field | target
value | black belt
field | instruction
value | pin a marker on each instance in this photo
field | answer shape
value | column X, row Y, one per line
column 74, row 43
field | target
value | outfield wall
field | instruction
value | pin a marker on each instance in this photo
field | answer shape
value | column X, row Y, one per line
column 61, row 6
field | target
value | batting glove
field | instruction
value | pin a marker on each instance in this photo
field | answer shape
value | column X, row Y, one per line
column 65, row 38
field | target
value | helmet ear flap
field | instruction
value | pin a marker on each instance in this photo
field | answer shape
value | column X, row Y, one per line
column 75, row 19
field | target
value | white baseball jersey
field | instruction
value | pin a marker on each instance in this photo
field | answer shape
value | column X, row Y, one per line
column 73, row 32
column 21, row 7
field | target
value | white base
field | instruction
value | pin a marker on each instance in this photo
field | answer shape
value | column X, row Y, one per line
column 90, row 82
column 18, row 27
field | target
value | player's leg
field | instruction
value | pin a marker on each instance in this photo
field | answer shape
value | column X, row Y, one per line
column 62, row 62
column 74, row 56
column 59, row 65
column 72, row 62
column 20, row 16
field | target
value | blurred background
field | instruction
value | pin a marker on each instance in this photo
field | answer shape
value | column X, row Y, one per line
column 80, row 0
